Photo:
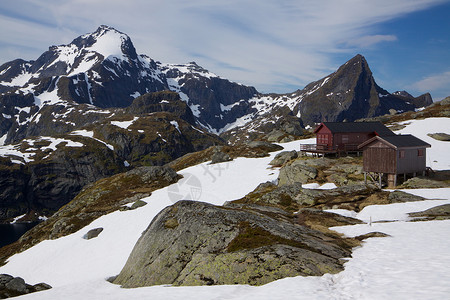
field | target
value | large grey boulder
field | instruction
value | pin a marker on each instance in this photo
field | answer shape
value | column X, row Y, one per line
column 275, row 135
column 93, row 233
column 194, row 243
column 283, row 157
column 296, row 172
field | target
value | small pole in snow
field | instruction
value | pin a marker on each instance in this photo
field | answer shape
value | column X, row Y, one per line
column 370, row 221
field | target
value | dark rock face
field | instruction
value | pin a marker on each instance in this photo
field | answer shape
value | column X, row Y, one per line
column 47, row 184
column 349, row 94
column 220, row 101
column 15, row 286
column 194, row 243
column 164, row 101
column 13, row 186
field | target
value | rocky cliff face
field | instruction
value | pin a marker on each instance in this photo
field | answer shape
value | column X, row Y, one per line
column 49, row 175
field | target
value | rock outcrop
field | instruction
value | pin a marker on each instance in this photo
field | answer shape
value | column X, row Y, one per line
column 424, row 183
column 283, row 157
column 440, row 136
column 11, row 286
column 218, row 156
column 441, row 212
column 194, row 243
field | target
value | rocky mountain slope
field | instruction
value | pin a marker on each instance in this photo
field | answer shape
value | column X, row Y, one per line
column 103, row 69
column 40, row 174
column 348, row 94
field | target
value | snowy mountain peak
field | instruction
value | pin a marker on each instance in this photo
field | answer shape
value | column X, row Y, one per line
column 107, row 41
column 84, row 52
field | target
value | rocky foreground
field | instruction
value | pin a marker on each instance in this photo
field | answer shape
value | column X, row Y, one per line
column 195, row 243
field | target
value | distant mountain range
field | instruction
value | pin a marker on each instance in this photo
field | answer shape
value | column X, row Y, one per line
column 94, row 108
column 103, row 69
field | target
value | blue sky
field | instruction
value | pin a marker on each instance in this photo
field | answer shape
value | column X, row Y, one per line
column 276, row 46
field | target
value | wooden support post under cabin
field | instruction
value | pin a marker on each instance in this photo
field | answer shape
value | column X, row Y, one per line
column 365, row 177
column 392, row 180
column 379, row 179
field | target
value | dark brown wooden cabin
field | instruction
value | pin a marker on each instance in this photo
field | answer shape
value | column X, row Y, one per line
column 393, row 155
column 336, row 137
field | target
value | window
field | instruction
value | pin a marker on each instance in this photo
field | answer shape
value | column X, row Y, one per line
column 322, row 138
column 419, row 152
column 401, row 154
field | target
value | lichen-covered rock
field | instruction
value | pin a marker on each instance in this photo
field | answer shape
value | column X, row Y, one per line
column 441, row 212
column 194, row 243
column 313, row 216
column 292, row 197
column 440, row 136
column 296, row 172
column 283, row 157
column 423, row 183
column 275, row 135
column 282, row 196
column 400, row 197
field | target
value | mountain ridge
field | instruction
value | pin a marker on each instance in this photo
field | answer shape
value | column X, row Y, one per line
column 103, row 68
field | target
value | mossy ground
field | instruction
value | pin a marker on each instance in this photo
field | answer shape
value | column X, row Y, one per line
column 254, row 237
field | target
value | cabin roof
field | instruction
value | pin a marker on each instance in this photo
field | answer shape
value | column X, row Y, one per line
column 350, row 127
column 398, row 141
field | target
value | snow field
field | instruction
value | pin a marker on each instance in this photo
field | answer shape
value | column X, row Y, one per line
column 411, row 264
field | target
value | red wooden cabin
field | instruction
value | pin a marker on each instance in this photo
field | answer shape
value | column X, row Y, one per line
column 336, row 137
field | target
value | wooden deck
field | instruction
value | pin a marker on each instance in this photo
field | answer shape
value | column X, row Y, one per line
column 317, row 149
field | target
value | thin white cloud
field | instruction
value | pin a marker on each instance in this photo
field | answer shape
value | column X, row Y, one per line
column 370, row 40
column 256, row 42
column 433, row 82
